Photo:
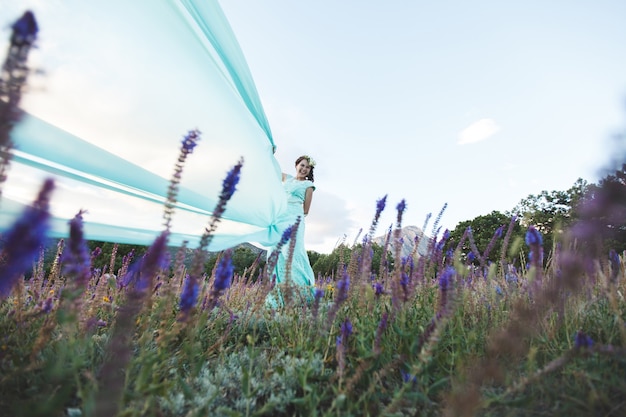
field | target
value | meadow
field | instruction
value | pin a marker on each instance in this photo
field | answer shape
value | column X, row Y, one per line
column 433, row 335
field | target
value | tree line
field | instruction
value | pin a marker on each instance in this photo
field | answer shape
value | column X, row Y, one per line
column 552, row 213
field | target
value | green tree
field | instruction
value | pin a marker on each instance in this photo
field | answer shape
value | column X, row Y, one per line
column 123, row 251
column 551, row 213
column 603, row 209
column 488, row 232
column 328, row 265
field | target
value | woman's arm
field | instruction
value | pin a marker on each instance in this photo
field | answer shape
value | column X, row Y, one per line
column 308, row 196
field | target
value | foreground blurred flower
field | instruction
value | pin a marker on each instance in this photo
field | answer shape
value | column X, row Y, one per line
column 12, row 81
column 582, row 341
column 228, row 188
column 24, row 239
column 189, row 142
column 141, row 274
column 189, row 295
column 77, row 259
column 223, row 278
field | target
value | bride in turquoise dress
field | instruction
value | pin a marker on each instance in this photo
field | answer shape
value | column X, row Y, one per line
column 299, row 191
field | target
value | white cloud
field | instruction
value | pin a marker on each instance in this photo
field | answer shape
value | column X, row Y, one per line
column 478, row 131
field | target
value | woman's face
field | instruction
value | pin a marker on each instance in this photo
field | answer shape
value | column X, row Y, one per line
column 303, row 168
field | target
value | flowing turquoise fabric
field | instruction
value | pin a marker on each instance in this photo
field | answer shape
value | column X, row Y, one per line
column 123, row 82
column 300, row 273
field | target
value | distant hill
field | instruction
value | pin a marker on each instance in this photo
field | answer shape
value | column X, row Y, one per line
column 408, row 235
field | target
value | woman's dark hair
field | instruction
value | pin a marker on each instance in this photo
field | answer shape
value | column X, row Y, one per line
column 311, row 163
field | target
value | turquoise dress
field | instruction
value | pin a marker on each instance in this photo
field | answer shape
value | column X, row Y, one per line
column 301, row 274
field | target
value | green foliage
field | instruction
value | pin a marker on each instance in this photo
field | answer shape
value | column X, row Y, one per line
column 242, row 359
column 327, row 265
column 483, row 229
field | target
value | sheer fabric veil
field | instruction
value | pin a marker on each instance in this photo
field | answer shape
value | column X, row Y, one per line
column 122, row 82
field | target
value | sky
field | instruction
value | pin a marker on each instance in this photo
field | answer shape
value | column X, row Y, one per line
column 471, row 105
column 474, row 105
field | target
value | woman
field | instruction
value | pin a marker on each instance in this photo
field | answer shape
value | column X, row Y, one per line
column 299, row 190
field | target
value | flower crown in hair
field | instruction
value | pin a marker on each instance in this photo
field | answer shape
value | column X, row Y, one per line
column 311, row 161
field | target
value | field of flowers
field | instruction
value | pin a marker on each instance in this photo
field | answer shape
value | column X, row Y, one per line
column 431, row 336
column 434, row 335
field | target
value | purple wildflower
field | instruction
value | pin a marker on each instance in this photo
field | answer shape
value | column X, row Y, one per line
column 535, row 242
column 76, row 260
column 582, row 341
column 47, row 305
column 445, row 279
column 400, row 208
column 378, row 289
column 188, row 144
column 142, row 273
column 13, row 76
column 24, row 29
column 343, row 285
column 407, row 377
column 285, row 236
column 344, row 333
column 230, row 182
column 382, row 325
column 228, row 188
column 96, row 252
column 533, row 237
column 317, row 296
column 346, row 328
column 471, row 256
column 23, row 240
column 224, row 273
column 319, row 293
column 190, row 141
column 189, row 295
column 380, row 206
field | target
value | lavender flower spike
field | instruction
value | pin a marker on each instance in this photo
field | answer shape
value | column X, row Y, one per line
column 77, row 260
column 189, row 142
column 223, row 278
column 24, row 239
column 224, row 273
column 582, row 341
column 189, row 295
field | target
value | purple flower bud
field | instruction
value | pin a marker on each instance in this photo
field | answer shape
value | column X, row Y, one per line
column 445, row 279
column 25, row 28
column 319, row 293
column 380, row 206
column 223, row 273
column 24, row 239
column 378, row 289
column 230, row 182
column 582, row 341
column 407, row 377
column 190, row 141
column 346, row 328
column 76, row 259
column 47, row 305
column 189, row 295
column 533, row 237
column 343, row 285
column 401, row 206
column 96, row 252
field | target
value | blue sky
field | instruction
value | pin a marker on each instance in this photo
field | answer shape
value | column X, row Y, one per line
column 474, row 104
column 471, row 104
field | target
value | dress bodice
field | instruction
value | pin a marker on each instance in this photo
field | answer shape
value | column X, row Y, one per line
column 296, row 190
